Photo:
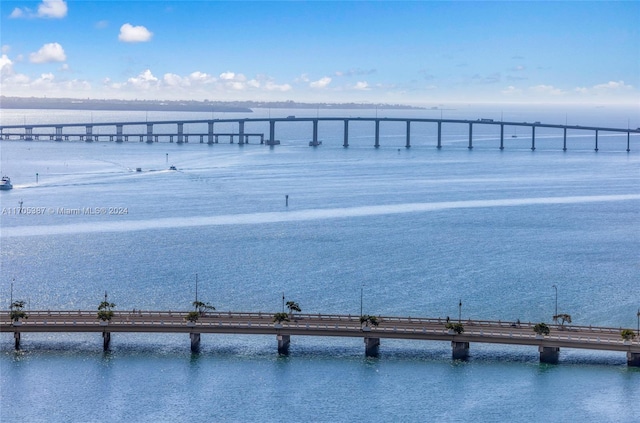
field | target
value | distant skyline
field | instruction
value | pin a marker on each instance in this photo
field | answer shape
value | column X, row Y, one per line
column 416, row 53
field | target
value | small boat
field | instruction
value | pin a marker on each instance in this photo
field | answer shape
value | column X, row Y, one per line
column 172, row 168
column 5, row 183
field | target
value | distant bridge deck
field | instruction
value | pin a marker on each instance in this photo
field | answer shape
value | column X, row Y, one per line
column 56, row 131
column 413, row 328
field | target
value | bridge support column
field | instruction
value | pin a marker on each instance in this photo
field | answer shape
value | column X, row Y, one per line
column 371, row 347
column 315, row 132
column 89, row 133
column 195, row 342
column 408, row 144
column 106, row 340
column 149, row 132
column 16, row 338
column 564, row 142
column 439, row 135
column 633, row 359
column 470, row 136
column 240, row 133
column 377, row 144
column 272, row 133
column 346, row 134
column 549, row 355
column 283, row 344
column 28, row 130
column 118, row 133
column 210, row 132
column 58, row 133
column 501, row 136
column 533, row 138
column 459, row 350
column 628, row 141
column 596, row 149
column 180, row 133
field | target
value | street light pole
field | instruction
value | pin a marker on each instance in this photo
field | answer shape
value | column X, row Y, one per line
column 638, row 330
column 283, row 302
column 556, row 288
column 361, row 290
column 460, row 311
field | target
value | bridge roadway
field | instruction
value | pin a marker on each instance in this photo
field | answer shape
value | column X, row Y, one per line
column 26, row 131
column 414, row 328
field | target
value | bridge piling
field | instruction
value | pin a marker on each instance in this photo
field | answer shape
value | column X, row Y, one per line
column 106, row 340
column 408, row 145
column 501, row 136
column 16, row 338
column 596, row 149
column 240, row 133
column 459, row 350
column 377, row 143
column 371, row 347
column 345, row 143
column 195, row 342
column 633, row 359
column 564, row 143
column 149, row 132
column 533, row 138
column 549, row 355
column 283, row 344
column 210, row 133
column 470, row 136
column 439, row 135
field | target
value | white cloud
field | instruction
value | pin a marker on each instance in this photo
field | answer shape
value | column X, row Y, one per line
column 18, row 13
column 6, row 48
column 271, row 86
column 613, row 85
column 362, row 85
column 51, row 52
column 102, row 24
column 6, row 65
column 145, row 80
column 134, row 34
column 511, row 90
column 547, row 89
column 49, row 9
column 52, row 9
column 321, row 83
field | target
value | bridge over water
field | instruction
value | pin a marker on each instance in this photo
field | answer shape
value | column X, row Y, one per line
column 329, row 325
column 121, row 132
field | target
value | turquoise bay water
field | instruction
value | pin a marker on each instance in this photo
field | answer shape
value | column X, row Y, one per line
column 416, row 229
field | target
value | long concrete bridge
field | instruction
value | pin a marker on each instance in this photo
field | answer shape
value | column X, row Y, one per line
column 332, row 325
column 115, row 131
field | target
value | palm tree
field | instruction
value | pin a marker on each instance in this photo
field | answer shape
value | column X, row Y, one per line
column 541, row 329
column 17, row 311
column 564, row 317
column 202, row 308
column 280, row 317
column 456, row 327
column 627, row 334
column 104, row 310
column 293, row 306
column 367, row 319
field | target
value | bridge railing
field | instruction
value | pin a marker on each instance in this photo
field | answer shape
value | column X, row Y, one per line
column 385, row 321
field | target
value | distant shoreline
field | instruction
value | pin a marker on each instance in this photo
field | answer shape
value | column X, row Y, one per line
column 175, row 106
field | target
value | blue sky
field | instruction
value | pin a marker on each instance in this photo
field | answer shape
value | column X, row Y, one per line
column 420, row 52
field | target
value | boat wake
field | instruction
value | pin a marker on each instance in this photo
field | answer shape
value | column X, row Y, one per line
column 298, row 216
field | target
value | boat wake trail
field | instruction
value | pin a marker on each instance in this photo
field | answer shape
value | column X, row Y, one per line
column 298, row 216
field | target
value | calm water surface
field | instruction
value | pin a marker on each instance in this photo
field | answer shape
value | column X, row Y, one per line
column 418, row 230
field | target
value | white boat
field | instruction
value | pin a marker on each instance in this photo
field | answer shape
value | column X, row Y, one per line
column 5, row 183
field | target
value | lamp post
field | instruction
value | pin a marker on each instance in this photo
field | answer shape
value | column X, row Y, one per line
column 460, row 311
column 283, row 302
column 361, row 291
column 638, row 330
column 556, row 288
